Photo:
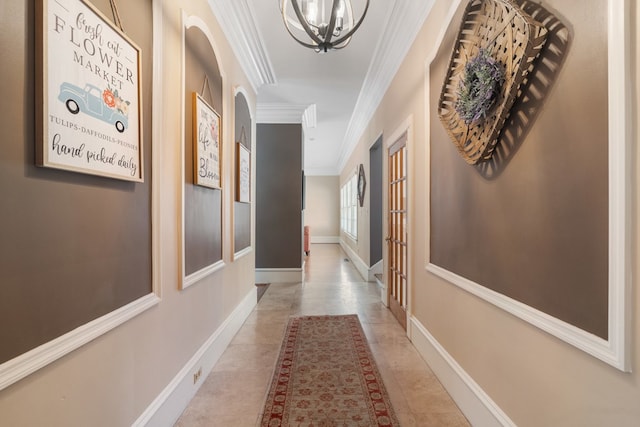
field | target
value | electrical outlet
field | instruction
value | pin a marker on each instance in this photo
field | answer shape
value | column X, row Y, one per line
column 196, row 376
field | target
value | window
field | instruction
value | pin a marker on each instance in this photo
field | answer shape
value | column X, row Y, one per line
column 349, row 207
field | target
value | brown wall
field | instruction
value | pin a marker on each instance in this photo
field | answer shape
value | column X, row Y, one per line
column 73, row 247
column 532, row 222
column 202, row 205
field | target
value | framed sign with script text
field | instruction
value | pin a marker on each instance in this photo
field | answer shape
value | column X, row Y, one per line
column 243, row 173
column 207, row 138
column 88, row 93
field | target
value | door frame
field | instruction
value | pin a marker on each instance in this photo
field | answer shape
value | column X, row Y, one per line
column 405, row 127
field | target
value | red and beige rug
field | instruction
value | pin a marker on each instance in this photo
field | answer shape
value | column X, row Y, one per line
column 326, row 376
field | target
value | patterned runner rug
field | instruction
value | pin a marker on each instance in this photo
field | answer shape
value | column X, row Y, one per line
column 326, row 376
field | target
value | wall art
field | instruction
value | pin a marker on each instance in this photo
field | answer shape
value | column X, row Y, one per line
column 88, row 93
column 207, row 137
column 497, row 43
column 243, row 173
column 362, row 184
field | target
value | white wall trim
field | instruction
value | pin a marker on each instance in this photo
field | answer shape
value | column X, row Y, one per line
column 156, row 154
column 29, row 362
column 241, row 90
column 620, row 131
column 375, row 269
column 279, row 275
column 321, row 171
column 325, row 239
column 242, row 253
column 585, row 341
column 384, row 295
column 310, row 117
column 616, row 350
column 167, row 407
column 280, row 113
column 403, row 24
column 190, row 21
column 202, row 273
column 357, row 262
column 472, row 400
column 239, row 26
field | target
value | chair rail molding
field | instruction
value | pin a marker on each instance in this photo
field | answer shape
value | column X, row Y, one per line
column 616, row 350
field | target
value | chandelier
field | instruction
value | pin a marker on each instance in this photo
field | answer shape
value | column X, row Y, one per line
column 321, row 25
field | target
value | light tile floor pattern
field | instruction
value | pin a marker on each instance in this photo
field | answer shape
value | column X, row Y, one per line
column 233, row 394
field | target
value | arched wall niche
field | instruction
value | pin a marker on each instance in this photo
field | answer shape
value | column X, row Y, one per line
column 202, row 208
column 243, row 134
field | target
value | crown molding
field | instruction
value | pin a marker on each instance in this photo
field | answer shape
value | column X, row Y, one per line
column 403, row 24
column 280, row 113
column 240, row 27
column 321, row 171
column 309, row 117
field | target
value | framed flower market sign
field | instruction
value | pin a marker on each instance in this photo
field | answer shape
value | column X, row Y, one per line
column 89, row 101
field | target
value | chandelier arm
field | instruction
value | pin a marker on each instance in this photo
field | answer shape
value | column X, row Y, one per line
column 342, row 45
column 355, row 27
column 305, row 44
column 303, row 22
column 332, row 22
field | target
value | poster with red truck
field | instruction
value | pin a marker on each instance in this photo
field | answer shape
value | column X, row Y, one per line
column 88, row 93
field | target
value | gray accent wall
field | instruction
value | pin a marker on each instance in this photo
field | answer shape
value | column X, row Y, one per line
column 202, row 205
column 375, row 187
column 279, row 196
column 531, row 223
column 73, row 246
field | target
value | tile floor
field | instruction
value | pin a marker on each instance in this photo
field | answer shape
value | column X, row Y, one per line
column 233, row 394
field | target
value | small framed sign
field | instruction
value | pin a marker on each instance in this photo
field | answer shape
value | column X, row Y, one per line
column 88, row 92
column 207, row 137
column 362, row 185
column 243, row 173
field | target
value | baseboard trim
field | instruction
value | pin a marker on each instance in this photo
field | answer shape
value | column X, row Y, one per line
column 472, row 400
column 382, row 287
column 358, row 263
column 324, row 239
column 279, row 275
column 375, row 269
column 165, row 410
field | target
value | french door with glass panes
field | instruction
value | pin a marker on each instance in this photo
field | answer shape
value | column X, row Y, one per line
column 397, row 231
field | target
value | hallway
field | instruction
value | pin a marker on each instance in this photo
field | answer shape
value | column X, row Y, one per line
column 234, row 392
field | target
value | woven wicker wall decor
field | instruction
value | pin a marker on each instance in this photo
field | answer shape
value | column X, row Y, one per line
column 514, row 40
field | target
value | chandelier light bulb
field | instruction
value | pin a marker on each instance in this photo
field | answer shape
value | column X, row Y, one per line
column 310, row 11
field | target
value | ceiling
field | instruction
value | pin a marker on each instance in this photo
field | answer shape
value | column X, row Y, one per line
column 334, row 94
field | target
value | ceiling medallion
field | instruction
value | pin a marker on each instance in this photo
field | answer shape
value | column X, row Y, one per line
column 321, row 25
